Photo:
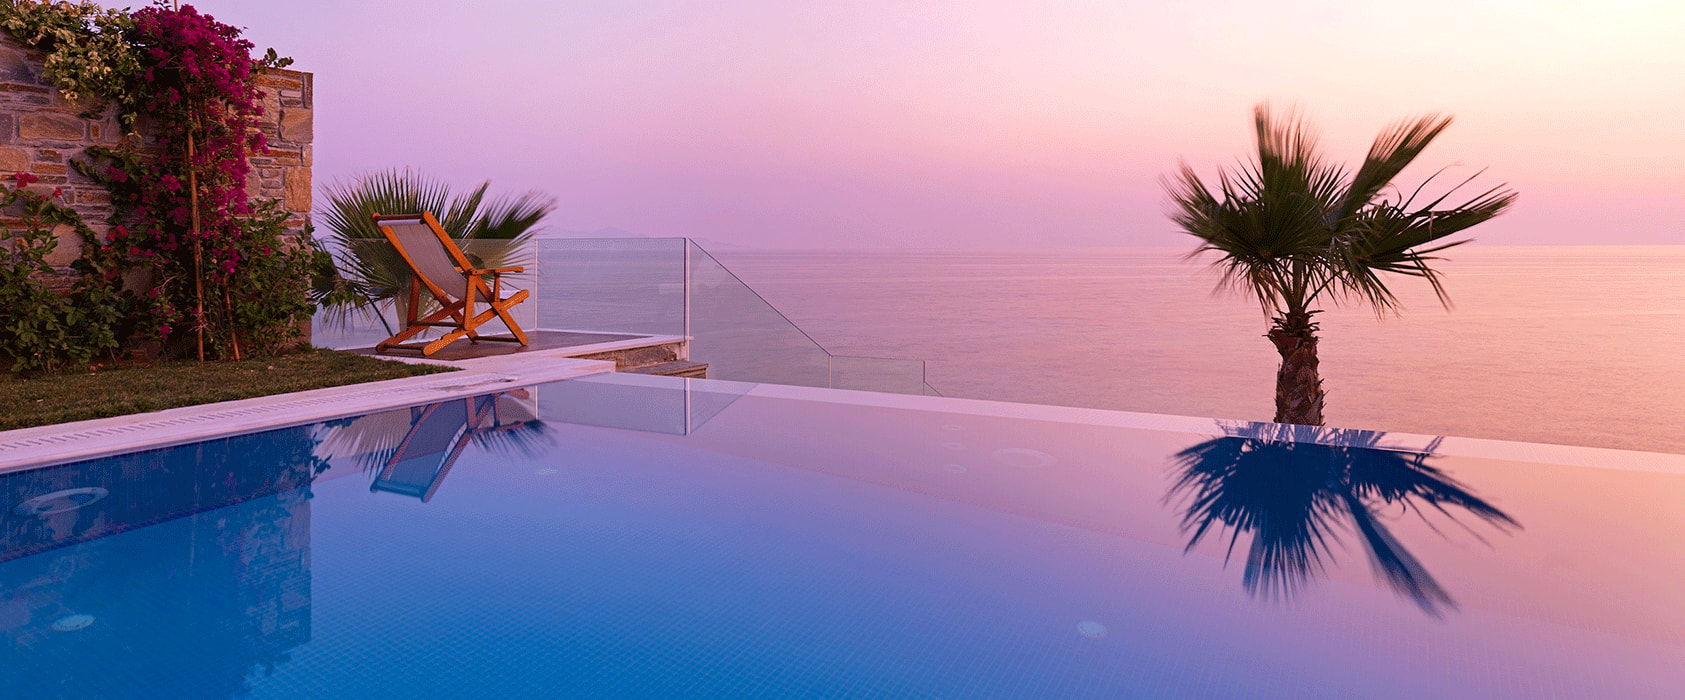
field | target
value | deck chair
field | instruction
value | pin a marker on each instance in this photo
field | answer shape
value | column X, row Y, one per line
column 444, row 272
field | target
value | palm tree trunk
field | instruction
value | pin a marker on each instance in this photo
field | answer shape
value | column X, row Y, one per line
column 1298, row 386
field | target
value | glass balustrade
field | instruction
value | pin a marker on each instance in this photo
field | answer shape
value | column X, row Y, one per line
column 654, row 286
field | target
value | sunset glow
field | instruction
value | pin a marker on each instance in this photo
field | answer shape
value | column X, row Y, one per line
column 964, row 124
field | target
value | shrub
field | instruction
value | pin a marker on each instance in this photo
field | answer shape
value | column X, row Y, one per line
column 40, row 329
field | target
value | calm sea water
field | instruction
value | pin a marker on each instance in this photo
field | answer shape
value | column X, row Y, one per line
column 1568, row 345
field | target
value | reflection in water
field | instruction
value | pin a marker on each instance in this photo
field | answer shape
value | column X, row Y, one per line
column 667, row 405
column 191, row 571
column 409, row 451
column 1293, row 497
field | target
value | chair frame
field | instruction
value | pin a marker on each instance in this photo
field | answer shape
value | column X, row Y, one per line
column 460, row 312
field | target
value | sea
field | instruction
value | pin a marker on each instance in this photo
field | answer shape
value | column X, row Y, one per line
column 1575, row 345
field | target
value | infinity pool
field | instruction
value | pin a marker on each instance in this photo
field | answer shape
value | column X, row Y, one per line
column 630, row 536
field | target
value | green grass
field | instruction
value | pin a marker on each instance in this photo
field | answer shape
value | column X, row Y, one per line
column 73, row 396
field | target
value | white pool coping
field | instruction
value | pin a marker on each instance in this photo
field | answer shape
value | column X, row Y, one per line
column 1451, row 446
column 68, row 442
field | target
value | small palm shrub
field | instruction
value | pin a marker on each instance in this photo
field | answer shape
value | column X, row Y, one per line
column 368, row 275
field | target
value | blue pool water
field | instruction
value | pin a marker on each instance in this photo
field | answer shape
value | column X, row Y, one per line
column 628, row 536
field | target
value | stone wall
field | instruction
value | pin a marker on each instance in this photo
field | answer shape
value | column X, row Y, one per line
column 284, row 172
column 41, row 132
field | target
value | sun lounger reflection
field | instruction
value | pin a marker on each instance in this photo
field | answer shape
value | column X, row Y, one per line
column 410, row 451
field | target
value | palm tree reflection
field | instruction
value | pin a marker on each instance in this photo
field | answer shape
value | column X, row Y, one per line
column 1293, row 496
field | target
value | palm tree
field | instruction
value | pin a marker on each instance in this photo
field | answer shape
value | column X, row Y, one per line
column 1291, row 230
column 370, row 274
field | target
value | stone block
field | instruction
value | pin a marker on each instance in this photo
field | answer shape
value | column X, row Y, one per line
column 137, row 279
column 280, row 80
column 93, row 214
column 14, row 160
column 51, row 126
column 15, row 66
column 48, row 155
column 297, row 125
column 49, row 168
column 297, row 185
column 69, row 246
column 24, row 88
column 61, row 282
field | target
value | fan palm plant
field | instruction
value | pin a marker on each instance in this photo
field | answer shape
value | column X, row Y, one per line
column 371, row 275
column 1291, row 230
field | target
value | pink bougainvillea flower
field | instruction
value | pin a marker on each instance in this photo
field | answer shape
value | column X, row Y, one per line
column 24, row 179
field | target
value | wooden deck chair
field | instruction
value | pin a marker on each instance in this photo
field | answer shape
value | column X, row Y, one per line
column 445, row 273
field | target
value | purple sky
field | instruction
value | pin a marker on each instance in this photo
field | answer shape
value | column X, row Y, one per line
column 870, row 123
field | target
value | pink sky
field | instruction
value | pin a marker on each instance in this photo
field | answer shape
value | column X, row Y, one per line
column 982, row 124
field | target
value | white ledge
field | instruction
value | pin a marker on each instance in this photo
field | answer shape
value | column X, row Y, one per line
column 69, row 442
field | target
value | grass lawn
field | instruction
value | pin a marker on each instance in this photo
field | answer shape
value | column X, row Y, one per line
column 61, row 398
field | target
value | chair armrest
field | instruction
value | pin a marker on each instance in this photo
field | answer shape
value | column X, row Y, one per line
column 496, row 270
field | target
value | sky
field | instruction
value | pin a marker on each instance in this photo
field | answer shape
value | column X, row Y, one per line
column 980, row 124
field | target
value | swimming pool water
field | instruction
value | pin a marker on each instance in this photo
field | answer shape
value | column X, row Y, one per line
column 628, row 536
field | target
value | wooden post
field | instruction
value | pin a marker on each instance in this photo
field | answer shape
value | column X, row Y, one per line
column 198, row 253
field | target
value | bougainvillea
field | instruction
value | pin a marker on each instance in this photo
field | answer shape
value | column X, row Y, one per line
column 184, row 214
column 197, row 95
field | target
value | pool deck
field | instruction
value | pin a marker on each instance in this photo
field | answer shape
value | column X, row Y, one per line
column 485, row 367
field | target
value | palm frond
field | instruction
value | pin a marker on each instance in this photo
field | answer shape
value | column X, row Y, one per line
column 1288, row 227
column 1393, row 150
column 368, row 264
column 1390, row 239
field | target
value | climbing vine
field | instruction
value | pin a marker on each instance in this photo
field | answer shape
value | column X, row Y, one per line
column 42, row 329
column 219, row 263
column 88, row 52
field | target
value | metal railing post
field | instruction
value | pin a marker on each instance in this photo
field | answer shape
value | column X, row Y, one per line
column 686, row 278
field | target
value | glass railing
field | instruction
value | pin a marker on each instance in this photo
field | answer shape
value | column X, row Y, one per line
column 663, row 286
column 619, row 285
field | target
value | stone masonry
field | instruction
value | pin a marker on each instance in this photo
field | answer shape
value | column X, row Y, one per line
column 41, row 132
